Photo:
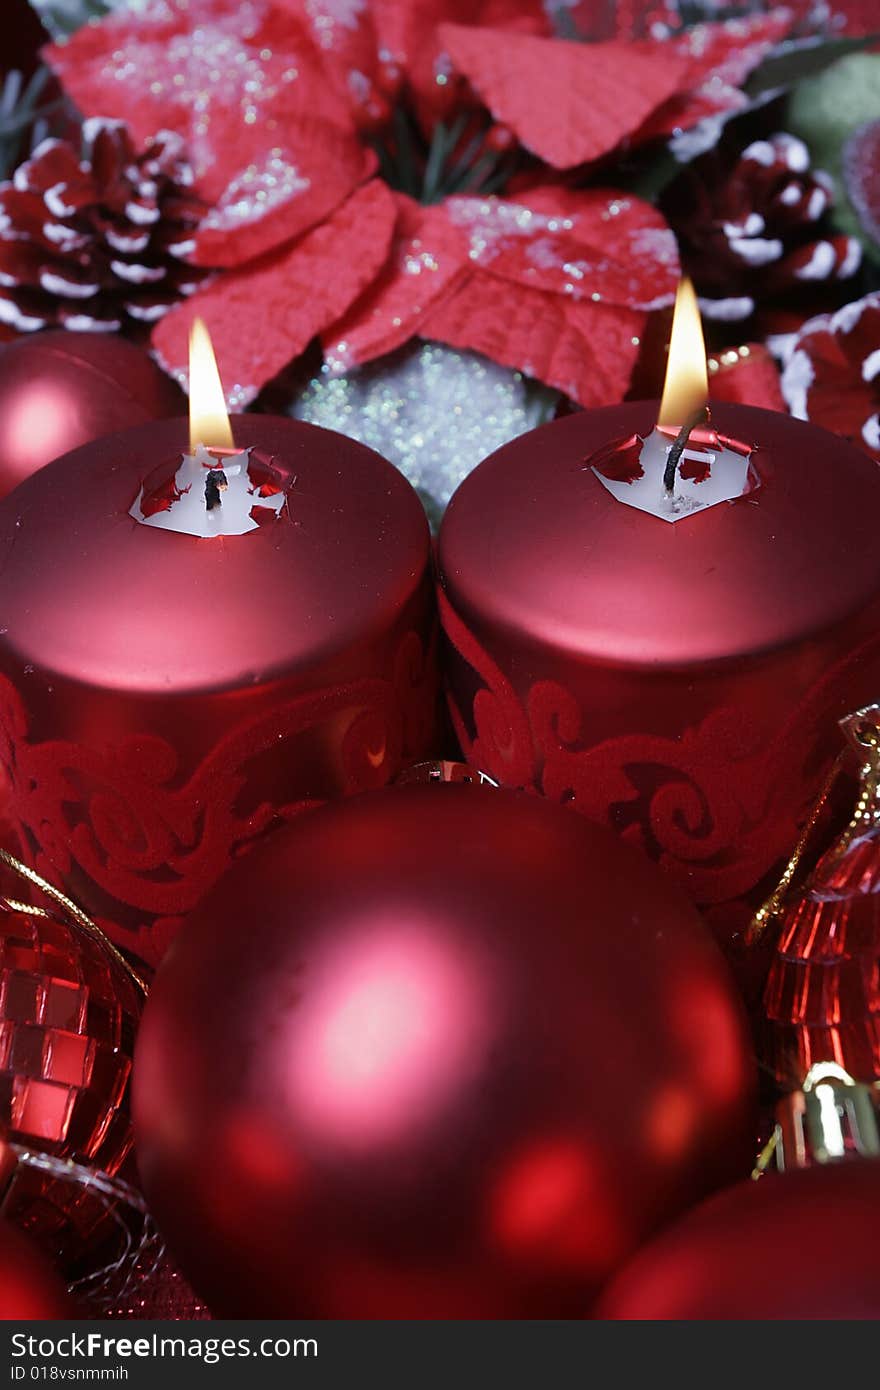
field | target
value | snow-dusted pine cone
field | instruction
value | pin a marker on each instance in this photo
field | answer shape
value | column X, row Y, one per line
column 88, row 243
column 832, row 373
column 750, row 230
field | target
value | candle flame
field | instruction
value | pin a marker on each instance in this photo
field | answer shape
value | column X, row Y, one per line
column 208, row 417
column 686, row 387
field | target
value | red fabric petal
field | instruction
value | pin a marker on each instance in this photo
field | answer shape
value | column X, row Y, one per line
column 749, row 380
column 427, row 257
column 731, row 49
column 345, row 36
column 273, row 145
column 588, row 244
column 409, row 32
column 687, row 109
column 719, row 58
column 569, row 103
column 586, row 350
column 264, row 315
column 320, row 167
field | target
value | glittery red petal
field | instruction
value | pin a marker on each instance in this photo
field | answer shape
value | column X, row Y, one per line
column 320, row 167
column 345, row 36
column 719, row 58
column 409, row 31
column 586, row 350
column 587, row 244
column 427, row 256
column 731, row 49
column 262, row 316
column 569, row 103
column 272, row 142
column 686, row 109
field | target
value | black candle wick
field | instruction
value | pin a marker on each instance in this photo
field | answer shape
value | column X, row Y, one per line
column 681, row 441
column 215, row 483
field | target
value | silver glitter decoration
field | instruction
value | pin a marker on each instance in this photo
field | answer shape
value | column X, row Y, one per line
column 138, row 1245
column 433, row 411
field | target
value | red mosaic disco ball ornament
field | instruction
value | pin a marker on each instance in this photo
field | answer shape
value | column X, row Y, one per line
column 29, row 1287
column 68, row 1014
column 439, row 1051
column 800, row 1245
column 59, row 390
column 822, row 995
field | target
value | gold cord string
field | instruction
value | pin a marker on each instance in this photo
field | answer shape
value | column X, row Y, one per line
column 75, row 913
column 863, row 732
column 773, row 905
column 765, row 1157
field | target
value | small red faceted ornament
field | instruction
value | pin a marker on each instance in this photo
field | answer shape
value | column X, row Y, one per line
column 796, row 1245
column 30, row 1290
column 185, row 664
column 822, row 996
column 59, row 390
column 441, row 1051
column 68, row 1014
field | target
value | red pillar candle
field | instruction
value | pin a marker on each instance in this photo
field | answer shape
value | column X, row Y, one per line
column 679, row 682
column 165, row 699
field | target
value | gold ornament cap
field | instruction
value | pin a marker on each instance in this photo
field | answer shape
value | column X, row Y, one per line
column 831, row 1118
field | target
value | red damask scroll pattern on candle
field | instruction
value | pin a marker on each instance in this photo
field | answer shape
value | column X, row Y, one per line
column 717, row 806
column 168, row 697
column 152, row 833
column 679, row 683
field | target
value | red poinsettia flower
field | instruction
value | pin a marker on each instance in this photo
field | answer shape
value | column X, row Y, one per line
column 570, row 103
column 832, row 373
column 355, row 154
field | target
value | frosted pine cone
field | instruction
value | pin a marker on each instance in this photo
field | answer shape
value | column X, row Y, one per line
column 832, row 373
column 88, row 244
column 750, row 231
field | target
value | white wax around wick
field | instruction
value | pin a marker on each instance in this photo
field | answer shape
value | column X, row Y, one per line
column 189, row 514
column 728, row 475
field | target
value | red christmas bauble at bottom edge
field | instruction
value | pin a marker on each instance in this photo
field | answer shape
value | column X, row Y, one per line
column 29, row 1287
column 435, row 1052
column 793, row 1245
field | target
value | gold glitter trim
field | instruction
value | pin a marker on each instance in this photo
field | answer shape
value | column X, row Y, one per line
column 78, row 917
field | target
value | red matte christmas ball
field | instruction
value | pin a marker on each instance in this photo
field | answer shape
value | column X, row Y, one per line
column 799, row 1244
column 59, row 390
column 436, row 1052
column 29, row 1288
